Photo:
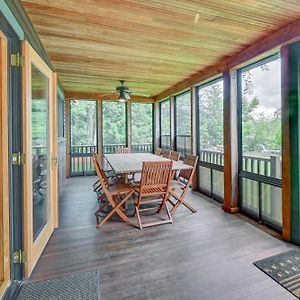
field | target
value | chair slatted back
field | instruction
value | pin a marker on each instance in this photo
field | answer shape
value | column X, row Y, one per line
column 97, row 162
column 188, row 174
column 156, row 175
column 174, row 155
column 158, row 151
column 166, row 153
column 120, row 150
column 101, row 179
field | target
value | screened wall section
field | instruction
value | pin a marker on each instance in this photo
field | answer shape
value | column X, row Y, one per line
column 83, row 136
column 114, row 124
column 165, row 124
column 260, row 140
column 183, row 123
column 142, row 127
column 210, row 139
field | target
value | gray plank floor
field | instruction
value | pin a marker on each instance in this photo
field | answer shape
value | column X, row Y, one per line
column 207, row 255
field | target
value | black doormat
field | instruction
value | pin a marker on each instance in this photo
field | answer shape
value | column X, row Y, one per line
column 283, row 268
column 79, row 286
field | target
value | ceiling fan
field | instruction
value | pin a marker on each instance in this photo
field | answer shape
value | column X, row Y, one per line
column 124, row 92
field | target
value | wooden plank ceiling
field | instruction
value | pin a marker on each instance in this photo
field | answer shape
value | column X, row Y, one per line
column 152, row 44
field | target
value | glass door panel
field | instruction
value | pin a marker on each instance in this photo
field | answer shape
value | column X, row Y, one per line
column 40, row 150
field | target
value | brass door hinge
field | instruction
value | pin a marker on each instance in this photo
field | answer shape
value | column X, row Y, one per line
column 18, row 159
column 19, row 257
column 16, row 60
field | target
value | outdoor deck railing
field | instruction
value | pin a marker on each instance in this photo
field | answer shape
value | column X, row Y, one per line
column 81, row 159
column 183, row 144
column 165, row 141
column 266, row 166
column 81, row 156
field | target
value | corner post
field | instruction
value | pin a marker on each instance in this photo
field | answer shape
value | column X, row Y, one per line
column 230, row 142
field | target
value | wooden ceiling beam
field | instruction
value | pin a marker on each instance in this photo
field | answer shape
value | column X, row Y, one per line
column 97, row 96
column 287, row 34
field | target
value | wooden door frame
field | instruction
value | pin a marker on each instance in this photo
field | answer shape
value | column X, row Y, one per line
column 4, row 169
column 34, row 249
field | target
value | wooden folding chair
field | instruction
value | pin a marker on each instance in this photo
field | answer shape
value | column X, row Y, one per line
column 183, row 183
column 109, row 176
column 155, row 181
column 116, row 196
column 120, row 150
column 166, row 153
column 158, row 151
column 174, row 155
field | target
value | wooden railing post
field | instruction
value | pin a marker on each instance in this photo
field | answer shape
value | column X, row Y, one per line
column 230, row 142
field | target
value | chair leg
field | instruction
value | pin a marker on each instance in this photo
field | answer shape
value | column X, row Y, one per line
column 168, row 212
column 192, row 209
column 165, row 199
column 115, row 209
column 138, row 217
column 181, row 201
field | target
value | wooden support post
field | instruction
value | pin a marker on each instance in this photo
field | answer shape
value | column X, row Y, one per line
column 100, row 129
column 156, row 124
column 230, row 142
column 172, row 123
column 68, row 136
column 290, row 57
column 194, row 116
column 129, row 134
column 193, row 121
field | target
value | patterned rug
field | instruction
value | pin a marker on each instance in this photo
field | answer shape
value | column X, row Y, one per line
column 79, row 286
column 283, row 268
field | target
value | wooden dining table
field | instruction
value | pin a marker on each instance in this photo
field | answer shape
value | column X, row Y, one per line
column 128, row 163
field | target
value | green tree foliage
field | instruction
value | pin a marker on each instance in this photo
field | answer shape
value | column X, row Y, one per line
column 261, row 131
column 39, row 122
column 211, row 116
column 141, row 123
column 114, row 123
column 83, row 122
column 165, row 117
column 183, row 114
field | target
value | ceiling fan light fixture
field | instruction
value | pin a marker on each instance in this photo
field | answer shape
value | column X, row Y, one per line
column 122, row 98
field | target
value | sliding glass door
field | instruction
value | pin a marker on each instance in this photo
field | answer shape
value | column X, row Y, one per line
column 40, row 149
